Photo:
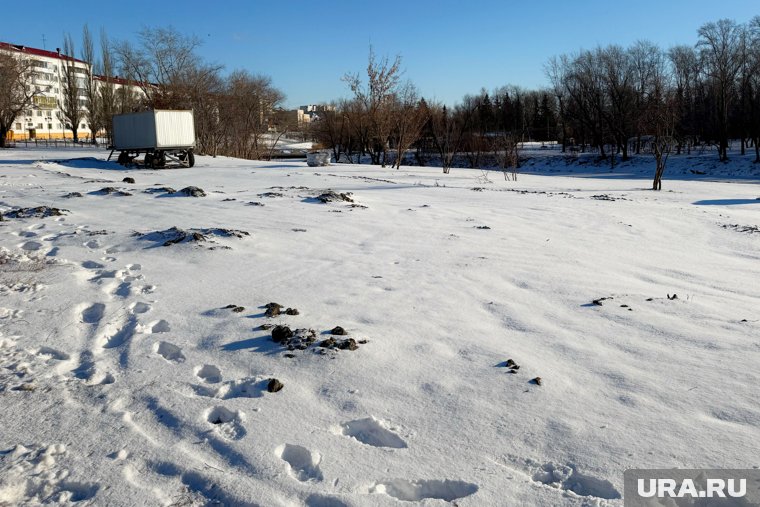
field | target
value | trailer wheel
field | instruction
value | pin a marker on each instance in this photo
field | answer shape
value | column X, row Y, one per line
column 190, row 159
column 149, row 160
column 123, row 158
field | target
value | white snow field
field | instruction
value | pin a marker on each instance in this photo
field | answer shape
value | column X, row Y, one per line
column 125, row 378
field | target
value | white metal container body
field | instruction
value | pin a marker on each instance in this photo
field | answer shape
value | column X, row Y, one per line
column 134, row 131
column 174, row 129
column 154, row 130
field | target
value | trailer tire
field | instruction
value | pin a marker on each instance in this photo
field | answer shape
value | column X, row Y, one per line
column 190, row 159
column 123, row 158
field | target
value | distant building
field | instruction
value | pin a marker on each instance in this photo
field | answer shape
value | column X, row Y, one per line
column 312, row 111
column 44, row 119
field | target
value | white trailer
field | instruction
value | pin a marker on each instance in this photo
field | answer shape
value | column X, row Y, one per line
column 159, row 134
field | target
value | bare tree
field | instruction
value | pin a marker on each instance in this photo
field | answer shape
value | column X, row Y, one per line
column 684, row 63
column 248, row 105
column 376, row 100
column 73, row 86
column 15, row 96
column 331, row 129
column 556, row 70
column 409, row 118
column 107, row 87
column 719, row 49
column 753, row 35
column 94, row 112
column 206, row 92
column 448, row 132
column 159, row 64
column 660, row 118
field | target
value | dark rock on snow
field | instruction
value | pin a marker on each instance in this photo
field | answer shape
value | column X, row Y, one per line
column 274, row 386
column 193, row 192
column 272, row 309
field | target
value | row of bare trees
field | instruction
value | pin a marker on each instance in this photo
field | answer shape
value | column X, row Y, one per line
column 386, row 120
column 616, row 98
column 613, row 100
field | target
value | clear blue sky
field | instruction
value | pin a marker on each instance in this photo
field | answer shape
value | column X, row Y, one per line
column 449, row 48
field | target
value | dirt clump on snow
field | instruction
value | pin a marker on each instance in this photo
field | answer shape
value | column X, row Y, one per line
column 192, row 192
column 160, row 190
column 175, row 235
column 299, row 339
column 38, row 212
column 332, row 196
column 111, row 191
column 272, row 309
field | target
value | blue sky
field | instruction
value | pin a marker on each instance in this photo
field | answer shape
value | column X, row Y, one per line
column 449, row 48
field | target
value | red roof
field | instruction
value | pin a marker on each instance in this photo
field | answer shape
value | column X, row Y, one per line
column 37, row 52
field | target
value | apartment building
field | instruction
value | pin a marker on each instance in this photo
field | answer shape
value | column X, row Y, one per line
column 44, row 119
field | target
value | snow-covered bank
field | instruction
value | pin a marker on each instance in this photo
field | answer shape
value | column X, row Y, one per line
column 126, row 380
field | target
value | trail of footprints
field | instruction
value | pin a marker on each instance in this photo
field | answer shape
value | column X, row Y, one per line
column 301, row 463
column 113, row 323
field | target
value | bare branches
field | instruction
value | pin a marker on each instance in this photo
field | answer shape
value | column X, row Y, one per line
column 15, row 95
column 73, row 84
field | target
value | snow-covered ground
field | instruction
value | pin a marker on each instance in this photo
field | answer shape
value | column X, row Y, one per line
column 125, row 379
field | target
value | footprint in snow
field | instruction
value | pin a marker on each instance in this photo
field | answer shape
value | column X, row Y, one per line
column 416, row 491
column 228, row 423
column 53, row 354
column 209, row 373
column 117, row 336
column 303, row 464
column 92, row 265
column 148, row 289
column 93, row 313
column 169, row 351
column 30, row 246
column 139, row 308
column 568, row 478
column 155, row 327
column 371, row 431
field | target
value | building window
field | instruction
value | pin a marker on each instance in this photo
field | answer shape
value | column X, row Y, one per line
column 39, row 113
column 18, row 126
column 39, row 125
column 50, row 125
column 84, row 126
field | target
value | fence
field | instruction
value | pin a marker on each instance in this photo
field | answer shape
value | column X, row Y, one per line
column 57, row 143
